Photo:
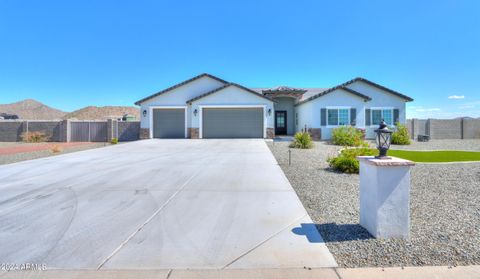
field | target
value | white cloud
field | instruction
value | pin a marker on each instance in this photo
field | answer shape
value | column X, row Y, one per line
column 466, row 107
column 456, row 97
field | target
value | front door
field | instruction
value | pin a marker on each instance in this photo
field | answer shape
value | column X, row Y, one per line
column 280, row 122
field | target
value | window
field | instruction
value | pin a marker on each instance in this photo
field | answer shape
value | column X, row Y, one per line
column 296, row 119
column 340, row 116
column 380, row 113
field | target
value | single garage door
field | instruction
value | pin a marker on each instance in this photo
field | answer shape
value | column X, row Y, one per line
column 169, row 123
column 232, row 123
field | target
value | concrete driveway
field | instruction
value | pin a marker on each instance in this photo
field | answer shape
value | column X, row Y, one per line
column 156, row 204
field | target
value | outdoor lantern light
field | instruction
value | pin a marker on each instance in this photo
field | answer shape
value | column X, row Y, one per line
column 144, row 112
column 195, row 112
column 269, row 111
column 383, row 140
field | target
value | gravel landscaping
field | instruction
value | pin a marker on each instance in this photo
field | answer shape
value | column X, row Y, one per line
column 445, row 208
column 465, row 145
column 13, row 158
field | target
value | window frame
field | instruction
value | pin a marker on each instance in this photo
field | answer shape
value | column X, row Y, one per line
column 381, row 109
column 338, row 116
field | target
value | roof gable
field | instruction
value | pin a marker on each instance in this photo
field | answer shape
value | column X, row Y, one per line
column 405, row 97
column 179, row 85
column 224, row 87
column 351, row 91
column 344, row 87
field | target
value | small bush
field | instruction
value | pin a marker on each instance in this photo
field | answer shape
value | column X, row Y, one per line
column 400, row 135
column 302, row 140
column 114, row 141
column 34, row 137
column 346, row 161
column 56, row 148
column 347, row 136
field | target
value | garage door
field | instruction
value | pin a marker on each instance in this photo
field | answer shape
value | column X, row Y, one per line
column 232, row 123
column 169, row 123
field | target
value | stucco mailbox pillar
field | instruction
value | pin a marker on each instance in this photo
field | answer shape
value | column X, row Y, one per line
column 385, row 196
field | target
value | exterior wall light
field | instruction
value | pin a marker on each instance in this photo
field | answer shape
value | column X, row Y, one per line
column 144, row 113
column 383, row 139
column 269, row 111
column 195, row 112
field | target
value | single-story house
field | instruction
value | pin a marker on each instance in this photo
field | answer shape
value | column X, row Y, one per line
column 206, row 106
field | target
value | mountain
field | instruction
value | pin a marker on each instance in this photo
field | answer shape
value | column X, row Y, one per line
column 102, row 113
column 32, row 109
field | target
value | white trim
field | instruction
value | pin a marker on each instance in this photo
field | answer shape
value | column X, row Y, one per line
column 337, row 108
column 381, row 109
column 200, row 114
column 150, row 112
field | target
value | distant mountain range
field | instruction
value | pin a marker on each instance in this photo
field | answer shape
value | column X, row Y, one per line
column 33, row 110
column 30, row 109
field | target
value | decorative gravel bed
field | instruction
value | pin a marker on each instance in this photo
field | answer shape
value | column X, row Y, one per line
column 465, row 145
column 445, row 211
column 12, row 158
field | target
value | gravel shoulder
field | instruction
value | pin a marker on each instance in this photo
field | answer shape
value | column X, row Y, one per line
column 18, row 157
column 445, row 209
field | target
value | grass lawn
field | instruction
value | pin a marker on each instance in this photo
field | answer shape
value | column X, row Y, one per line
column 435, row 156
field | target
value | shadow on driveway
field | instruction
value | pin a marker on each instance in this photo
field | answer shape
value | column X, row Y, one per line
column 332, row 232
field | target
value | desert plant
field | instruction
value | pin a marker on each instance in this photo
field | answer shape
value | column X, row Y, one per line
column 400, row 135
column 34, row 137
column 56, row 148
column 347, row 162
column 114, row 141
column 302, row 140
column 347, row 136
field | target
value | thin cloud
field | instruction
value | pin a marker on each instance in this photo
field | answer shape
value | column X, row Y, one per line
column 456, row 97
column 466, row 107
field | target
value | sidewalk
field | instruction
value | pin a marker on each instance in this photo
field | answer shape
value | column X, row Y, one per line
column 439, row 272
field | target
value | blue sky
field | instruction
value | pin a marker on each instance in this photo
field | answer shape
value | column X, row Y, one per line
column 70, row 54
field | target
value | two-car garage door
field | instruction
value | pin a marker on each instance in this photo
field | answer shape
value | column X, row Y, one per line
column 232, row 123
column 244, row 122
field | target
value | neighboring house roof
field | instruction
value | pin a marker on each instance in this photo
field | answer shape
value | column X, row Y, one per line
column 226, row 86
column 178, row 85
column 330, row 90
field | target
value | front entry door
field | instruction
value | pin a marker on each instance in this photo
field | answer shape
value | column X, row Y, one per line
column 280, row 122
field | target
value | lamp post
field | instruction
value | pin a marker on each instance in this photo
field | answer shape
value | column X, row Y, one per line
column 383, row 139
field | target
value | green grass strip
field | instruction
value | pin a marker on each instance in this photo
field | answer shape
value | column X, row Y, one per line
column 435, row 156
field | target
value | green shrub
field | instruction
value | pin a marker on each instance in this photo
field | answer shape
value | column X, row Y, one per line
column 400, row 135
column 346, row 161
column 114, row 141
column 302, row 140
column 347, row 136
column 34, row 137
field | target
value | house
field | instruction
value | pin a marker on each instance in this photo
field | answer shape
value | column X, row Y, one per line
column 206, row 106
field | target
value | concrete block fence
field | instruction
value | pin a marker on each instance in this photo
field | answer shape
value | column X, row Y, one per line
column 460, row 128
column 90, row 130
column 71, row 130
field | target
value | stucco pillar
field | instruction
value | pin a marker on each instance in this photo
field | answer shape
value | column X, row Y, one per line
column 385, row 196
